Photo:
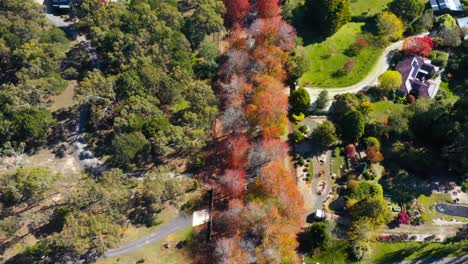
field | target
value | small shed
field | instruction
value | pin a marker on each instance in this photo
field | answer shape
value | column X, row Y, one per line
column 320, row 214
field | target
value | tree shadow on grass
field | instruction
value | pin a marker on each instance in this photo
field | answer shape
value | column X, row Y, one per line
column 397, row 256
column 310, row 36
column 309, row 33
column 370, row 25
column 426, row 256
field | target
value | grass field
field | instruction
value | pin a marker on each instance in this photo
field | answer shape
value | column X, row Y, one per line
column 155, row 253
column 381, row 110
column 398, row 251
column 392, row 252
column 367, row 8
column 327, row 58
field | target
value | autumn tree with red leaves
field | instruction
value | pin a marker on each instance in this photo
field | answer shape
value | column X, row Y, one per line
column 237, row 10
column 234, row 181
column 255, row 162
column 268, row 8
column 418, row 45
column 237, row 147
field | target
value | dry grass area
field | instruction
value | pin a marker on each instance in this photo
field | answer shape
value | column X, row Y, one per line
column 65, row 99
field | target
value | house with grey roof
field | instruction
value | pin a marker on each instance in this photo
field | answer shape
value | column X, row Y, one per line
column 417, row 74
column 446, row 6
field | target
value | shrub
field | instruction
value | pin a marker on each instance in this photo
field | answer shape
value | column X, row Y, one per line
column 411, row 99
column 369, row 175
column 303, row 128
column 465, row 185
column 358, row 250
column 348, row 67
column 439, row 58
column 297, row 137
column 322, row 100
column 298, row 118
column 300, row 100
column 336, row 152
column 372, row 142
column 353, row 50
column 300, row 160
column 403, row 218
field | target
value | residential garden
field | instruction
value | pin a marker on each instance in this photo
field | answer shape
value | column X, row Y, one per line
column 397, row 155
column 343, row 48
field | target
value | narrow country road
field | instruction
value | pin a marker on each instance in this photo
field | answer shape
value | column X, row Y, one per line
column 157, row 236
column 380, row 67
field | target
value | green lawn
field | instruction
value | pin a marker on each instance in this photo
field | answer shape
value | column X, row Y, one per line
column 396, row 252
column 451, row 97
column 381, row 110
column 391, row 252
column 156, row 253
column 335, row 165
column 327, row 58
column 367, row 8
column 336, row 254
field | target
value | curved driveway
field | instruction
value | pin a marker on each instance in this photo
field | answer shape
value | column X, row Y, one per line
column 381, row 66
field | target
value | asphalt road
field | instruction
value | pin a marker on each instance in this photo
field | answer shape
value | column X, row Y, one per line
column 162, row 232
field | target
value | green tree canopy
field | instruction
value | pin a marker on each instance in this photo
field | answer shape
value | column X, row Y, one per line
column 390, row 81
column 329, row 15
column 126, row 147
column 408, row 10
column 320, row 235
column 206, row 19
column 298, row 64
column 300, row 100
column 322, row 100
column 352, row 126
column 390, row 26
column 324, row 135
column 26, row 184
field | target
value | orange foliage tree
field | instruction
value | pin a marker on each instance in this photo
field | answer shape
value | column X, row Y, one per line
column 373, row 154
column 268, row 8
column 265, row 213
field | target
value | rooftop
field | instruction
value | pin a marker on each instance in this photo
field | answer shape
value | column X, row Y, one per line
column 442, row 5
column 417, row 73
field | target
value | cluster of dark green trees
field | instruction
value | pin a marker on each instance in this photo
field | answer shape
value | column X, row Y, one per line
column 424, row 134
column 31, row 53
column 151, row 97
